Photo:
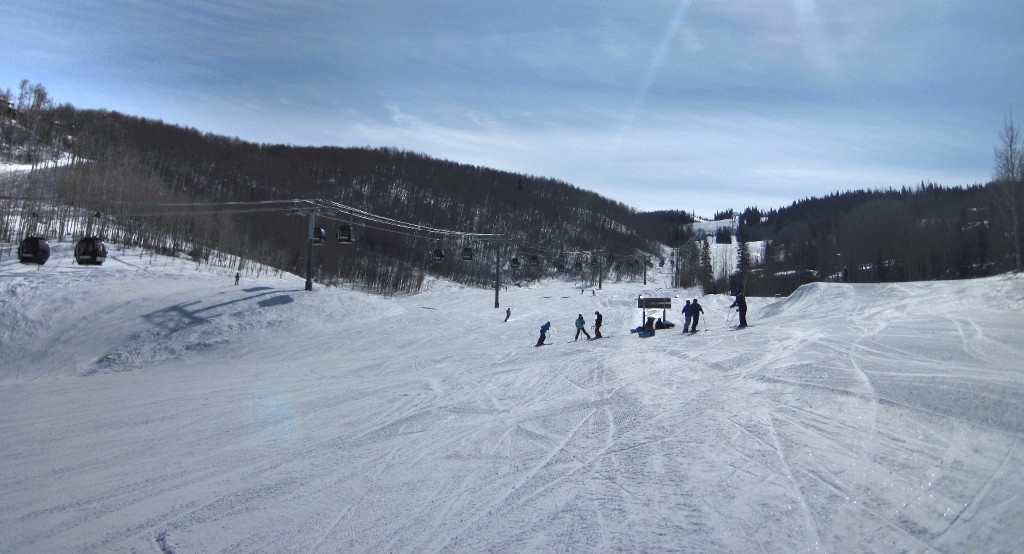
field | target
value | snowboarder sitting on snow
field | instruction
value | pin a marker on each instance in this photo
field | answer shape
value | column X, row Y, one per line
column 696, row 309
column 664, row 324
column 581, row 326
column 543, row 333
column 741, row 306
column 649, row 325
column 597, row 325
column 687, row 316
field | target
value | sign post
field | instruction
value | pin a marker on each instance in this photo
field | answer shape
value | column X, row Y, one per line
column 653, row 304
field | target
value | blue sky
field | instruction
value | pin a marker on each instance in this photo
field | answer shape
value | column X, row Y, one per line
column 696, row 105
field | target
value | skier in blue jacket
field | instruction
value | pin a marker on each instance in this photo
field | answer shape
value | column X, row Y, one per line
column 543, row 333
column 687, row 316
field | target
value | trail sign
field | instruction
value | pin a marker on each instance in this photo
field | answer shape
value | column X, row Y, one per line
column 654, row 303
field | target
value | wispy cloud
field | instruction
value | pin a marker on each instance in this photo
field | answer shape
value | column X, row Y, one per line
column 687, row 103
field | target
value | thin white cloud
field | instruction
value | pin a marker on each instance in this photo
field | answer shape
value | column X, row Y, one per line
column 675, row 100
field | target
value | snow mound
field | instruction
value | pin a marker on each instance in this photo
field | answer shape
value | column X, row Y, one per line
column 809, row 299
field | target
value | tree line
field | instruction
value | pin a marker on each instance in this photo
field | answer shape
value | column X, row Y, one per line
column 125, row 168
column 119, row 174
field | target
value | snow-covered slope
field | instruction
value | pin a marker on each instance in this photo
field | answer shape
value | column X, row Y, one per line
column 148, row 406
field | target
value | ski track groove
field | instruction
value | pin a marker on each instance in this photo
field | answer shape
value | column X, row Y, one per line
column 811, row 526
column 982, row 492
column 518, row 486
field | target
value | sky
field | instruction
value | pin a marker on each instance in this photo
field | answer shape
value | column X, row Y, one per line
column 694, row 105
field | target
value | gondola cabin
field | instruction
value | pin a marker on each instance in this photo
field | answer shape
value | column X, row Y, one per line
column 437, row 256
column 534, row 261
column 514, row 263
column 577, row 267
column 90, row 251
column 561, row 268
column 593, row 261
column 33, row 250
column 467, row 254
column 344, row 234
column 319, row 236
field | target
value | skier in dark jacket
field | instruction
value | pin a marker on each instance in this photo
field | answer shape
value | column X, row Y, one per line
column 741, row 306
column 581, row 326
column 687, row 316
column 597, row 325
column 697, row 310
column 543, row 333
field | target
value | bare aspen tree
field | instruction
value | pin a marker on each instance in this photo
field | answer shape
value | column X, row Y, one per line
column 1009, row 177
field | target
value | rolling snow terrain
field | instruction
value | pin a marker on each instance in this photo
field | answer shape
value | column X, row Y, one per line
column 149, row 406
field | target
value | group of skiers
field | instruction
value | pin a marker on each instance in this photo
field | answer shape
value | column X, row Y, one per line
column 581, row 327
column 691, row 318
column 692, row 311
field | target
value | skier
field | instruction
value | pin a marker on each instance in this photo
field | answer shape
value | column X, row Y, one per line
column 238, row 275
column 687, row 316
column 581, row 326
column 508, row 314
column 597, row 325
column 697, row 310
column 741, row 306
column 543, row 333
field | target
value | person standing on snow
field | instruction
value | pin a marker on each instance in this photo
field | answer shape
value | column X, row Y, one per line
column 508, row 314
column 543, row 333
column 687, row 316
column 696, row 309
column 238, row 275
column 597, row 325
column 741, row 306
column 581, row 327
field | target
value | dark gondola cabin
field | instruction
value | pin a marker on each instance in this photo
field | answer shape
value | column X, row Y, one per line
column 514, row 262
column 437, row 256
column 90, row 251
column 34, row 250
column 319, row 236
column 467, row 254
column 345, row 234
column 534, row 261
column 561, row 268
column 577, row 267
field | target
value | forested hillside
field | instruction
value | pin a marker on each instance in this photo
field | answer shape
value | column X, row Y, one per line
column 138, row 181
column 925, row 233
column 136, row 173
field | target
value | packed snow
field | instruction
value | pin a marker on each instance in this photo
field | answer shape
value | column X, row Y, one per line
column 150, row 404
